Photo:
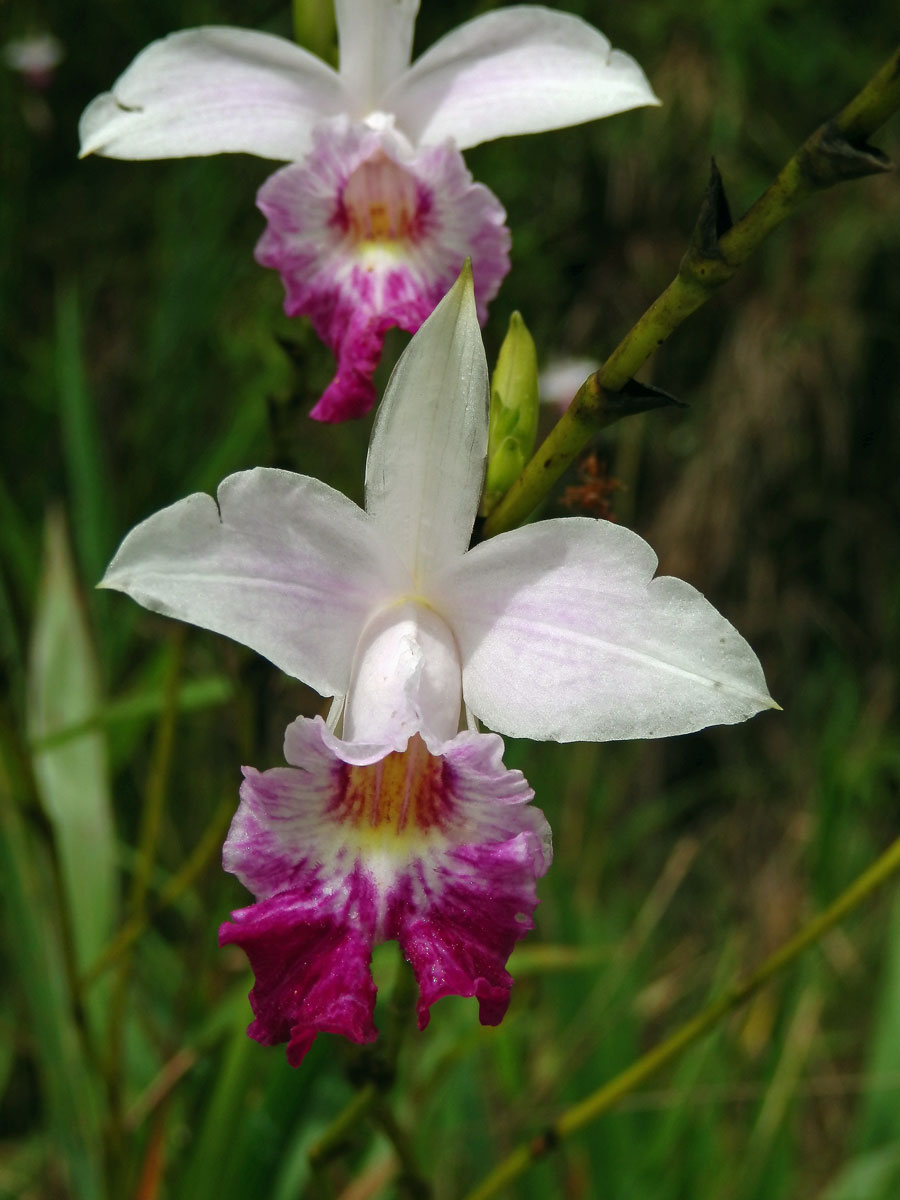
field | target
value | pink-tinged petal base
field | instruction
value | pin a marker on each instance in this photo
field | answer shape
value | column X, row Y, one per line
column 369, row 233
column 436, row 846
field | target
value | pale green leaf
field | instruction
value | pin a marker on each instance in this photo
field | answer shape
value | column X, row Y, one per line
column 72, row 777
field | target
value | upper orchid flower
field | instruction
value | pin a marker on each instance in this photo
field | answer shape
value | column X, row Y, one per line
column 405, row 828
column 372, row 223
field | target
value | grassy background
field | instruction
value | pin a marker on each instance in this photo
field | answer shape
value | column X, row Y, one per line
column 140, row 361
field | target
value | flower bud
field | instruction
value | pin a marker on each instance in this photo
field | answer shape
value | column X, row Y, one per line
column 514, row 412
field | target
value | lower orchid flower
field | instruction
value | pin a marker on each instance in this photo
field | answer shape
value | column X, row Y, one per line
column 403, row 827
column 355, row 843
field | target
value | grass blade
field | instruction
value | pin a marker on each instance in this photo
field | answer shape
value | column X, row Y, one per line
column 72, row 777
column 85, row 471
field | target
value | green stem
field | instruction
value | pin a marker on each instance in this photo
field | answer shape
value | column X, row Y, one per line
column 610, row 1093
column 13, row 752
column 158, row 782
column 314, row 27
column 397, row 1020
column 411, row 1180
column 374, row 1073
column 836, row 151
column 335, row 1137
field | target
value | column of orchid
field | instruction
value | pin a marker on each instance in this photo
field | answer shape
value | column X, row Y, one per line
column 396, row 818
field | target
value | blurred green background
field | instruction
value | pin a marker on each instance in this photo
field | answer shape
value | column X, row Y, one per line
column 143, row 358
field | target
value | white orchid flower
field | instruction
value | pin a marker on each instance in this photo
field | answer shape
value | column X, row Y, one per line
column 403, row 827
column 372, row 222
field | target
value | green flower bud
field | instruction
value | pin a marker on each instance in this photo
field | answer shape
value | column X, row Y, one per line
column 514, row 412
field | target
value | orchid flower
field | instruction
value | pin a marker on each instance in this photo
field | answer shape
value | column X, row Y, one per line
column 371, row 223
column 403, row 827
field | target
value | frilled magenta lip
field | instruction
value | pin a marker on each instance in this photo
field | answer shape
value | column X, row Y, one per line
column 438, row 850
column 369, row 233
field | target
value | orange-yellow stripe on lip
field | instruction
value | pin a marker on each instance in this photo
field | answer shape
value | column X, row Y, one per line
column 380, row 201
column 399, row 798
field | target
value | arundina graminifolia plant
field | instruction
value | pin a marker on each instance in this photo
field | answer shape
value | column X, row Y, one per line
column 395, row 817
column 371, row 221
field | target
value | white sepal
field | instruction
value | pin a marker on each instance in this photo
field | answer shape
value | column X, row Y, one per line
column 375, row 47
column 427, row 453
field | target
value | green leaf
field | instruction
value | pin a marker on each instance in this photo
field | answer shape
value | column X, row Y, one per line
column 85, row 472
column 205, row 1175
column 72, row 777
column 15, row 541
column 877, row 1127
column 871, row 1176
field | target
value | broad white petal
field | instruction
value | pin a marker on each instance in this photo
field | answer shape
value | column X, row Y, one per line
column 564, row 635
column 522, row 69
column 284, row 564
column 375, row 39
column 213, row 90
column 426, row 458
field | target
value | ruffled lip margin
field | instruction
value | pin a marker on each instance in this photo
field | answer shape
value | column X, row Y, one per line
column 457, row 899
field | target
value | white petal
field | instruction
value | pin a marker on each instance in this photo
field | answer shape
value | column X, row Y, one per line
column 563, row 636
column 376, row 44
column 522, row 69
column 213, row 90
column 426, row 458
column 284, row 564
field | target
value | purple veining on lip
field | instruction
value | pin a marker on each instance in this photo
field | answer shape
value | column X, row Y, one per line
column 369, row 233
column 456, row 888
